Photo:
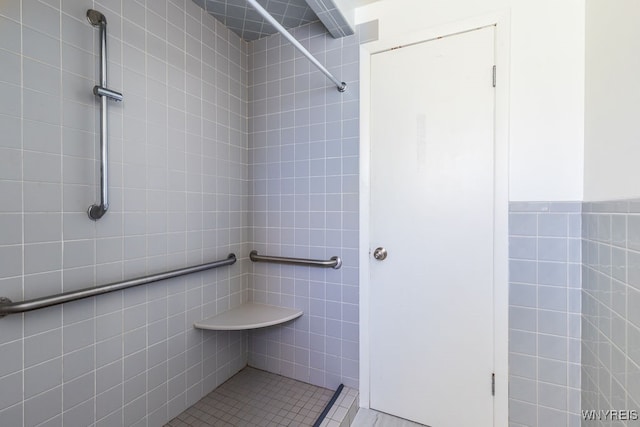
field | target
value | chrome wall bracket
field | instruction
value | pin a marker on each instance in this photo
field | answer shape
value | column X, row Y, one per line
column 96, row 18
column 103, row 91
column 4, row 301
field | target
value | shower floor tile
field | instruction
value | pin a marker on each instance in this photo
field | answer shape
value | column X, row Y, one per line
column 257, row 398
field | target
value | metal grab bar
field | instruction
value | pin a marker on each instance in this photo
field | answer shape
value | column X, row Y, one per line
column 342, row 86
column 9, row 307
column 96, row 212
column 335, row 262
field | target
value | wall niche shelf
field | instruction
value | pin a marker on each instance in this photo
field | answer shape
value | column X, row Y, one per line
column 249, row 316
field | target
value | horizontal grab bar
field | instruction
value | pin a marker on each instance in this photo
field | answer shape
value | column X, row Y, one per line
column 9, row 307
column 335, row 262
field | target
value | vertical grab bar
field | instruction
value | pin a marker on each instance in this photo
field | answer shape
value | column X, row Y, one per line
column 97, row 19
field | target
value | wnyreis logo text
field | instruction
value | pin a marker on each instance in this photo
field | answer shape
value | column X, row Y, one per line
column 610, row 415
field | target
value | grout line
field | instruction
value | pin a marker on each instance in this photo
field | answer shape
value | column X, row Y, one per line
column 22, row 316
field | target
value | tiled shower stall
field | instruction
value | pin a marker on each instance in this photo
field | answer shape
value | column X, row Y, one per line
column 220, row 146
column 225, row 146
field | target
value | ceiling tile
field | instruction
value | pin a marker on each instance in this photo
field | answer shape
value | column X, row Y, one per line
column 243, row 20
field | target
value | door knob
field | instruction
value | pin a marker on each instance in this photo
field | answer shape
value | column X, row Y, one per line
column 380, row 254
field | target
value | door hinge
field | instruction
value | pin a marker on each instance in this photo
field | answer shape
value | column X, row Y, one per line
column 493, row 384
column 494, row 76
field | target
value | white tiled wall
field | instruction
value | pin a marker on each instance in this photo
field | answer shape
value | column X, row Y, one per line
column 304, row 171
column 544, row 314
column 179, row 196
column 611, row 315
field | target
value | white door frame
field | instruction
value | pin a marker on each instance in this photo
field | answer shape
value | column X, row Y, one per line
column 500, row 286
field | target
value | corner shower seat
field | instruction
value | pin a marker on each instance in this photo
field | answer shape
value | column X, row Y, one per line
column 249, row 316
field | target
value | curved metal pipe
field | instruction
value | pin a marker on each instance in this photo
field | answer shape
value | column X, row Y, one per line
column 9, row 307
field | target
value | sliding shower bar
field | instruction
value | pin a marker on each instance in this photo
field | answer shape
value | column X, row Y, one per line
column 342, row 86
column 335, row 262
column 9, row 307
column 97, row 19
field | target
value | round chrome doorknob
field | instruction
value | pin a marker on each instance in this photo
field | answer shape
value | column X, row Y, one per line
column 380, row 254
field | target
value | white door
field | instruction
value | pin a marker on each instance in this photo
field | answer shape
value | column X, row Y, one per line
column 432, row 209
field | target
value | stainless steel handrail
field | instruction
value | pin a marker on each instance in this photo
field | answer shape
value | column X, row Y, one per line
column 335, row 262
column 342, row 86
column 96, row 212
column 9, row 307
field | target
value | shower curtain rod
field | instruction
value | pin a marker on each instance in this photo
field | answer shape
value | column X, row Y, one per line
column 266, row 15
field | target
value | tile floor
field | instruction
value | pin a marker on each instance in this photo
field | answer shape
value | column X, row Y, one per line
column 257, row 398
column 371, row 418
